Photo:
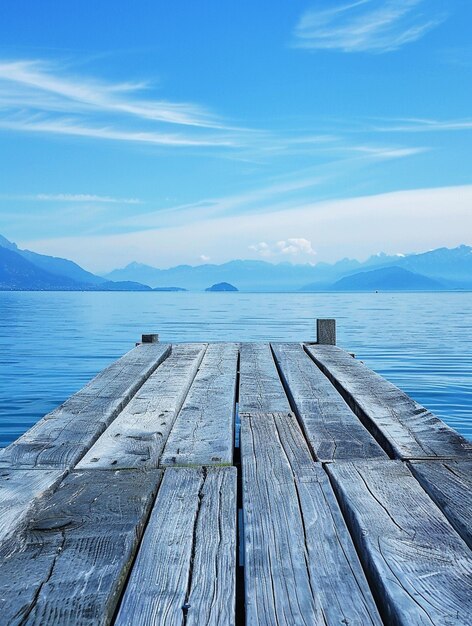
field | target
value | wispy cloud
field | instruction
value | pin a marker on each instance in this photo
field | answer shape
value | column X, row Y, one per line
column 75, row 127
column 366, row 25
column 44, row 98
column 279, row 194
column 57, row 91
column 381, row 153
column 39, row 97
column 416, row 125
column 82, row 197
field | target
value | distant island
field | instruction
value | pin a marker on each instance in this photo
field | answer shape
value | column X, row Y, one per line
column 222, row 287
column 435, row 270
column 169, row 289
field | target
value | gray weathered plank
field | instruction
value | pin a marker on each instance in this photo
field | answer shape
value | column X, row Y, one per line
column 20, row 492
column 332, row 429
column 61, row 438
column 404, row 428
column 300, row 564
column 185, row 569
column 449, row 483
column 260, row 387
column 419, row 566
column 203, row 431
column 137, row 436
column 70, row 565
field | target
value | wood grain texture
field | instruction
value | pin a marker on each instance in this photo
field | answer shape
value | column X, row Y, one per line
column 449, row 484
column 137, row 436
column 404, row 428
column 62, row 437
column 70, row 566
column 20, row 492
column 300, row 564
column 203, row 431
column 260, row 387
column 326, row 331
column 185, row 569
column 420, row 568
column 332, row 429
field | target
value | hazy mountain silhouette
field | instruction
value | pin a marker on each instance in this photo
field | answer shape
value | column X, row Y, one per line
column 387, row 279
column 28, row 271
column 451, row 268
column 443, row 268
column 17, row 272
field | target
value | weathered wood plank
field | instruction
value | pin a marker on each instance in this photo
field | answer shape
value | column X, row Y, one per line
column 404, row 428
column 20, row 492
column 137, row 436
column 260, row 387
column 72, row 562
column 203, row 431
column 332, row 429
column 185, row 569
column 300, row 564
column 420, row 568
column 449, row 484
column 61, row 438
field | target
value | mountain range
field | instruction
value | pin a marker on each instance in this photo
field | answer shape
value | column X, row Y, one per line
column 439, row 269
column 443, row 268
column 23, row 270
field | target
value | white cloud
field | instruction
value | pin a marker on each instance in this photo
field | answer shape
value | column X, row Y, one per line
column 366, row 25
column 262, row 248
column 204, row 258
column 295, row 246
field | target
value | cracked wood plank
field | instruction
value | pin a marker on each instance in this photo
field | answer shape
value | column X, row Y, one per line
column 404, row 428
column 332, row 429
column 70, row 565
column 260, row 387
column 300, row 563
column 62, row 437
column 20, row 492
column 419, row 567
column 449, row 484
column 203, row 431
column 185, row 569
column 137, row 436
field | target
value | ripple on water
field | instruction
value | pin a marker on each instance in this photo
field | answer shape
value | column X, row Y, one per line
column 51, row 344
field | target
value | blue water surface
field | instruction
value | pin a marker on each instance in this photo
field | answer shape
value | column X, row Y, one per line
column 52, row 343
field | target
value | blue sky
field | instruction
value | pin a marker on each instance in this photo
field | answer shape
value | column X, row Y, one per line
column 184, row 132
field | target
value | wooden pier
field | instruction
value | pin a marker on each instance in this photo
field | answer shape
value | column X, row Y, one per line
column 280, row 484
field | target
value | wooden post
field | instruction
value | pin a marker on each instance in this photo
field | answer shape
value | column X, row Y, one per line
column 326, row 332
column 149, row 338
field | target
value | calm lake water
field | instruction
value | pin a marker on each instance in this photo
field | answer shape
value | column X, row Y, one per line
column 51, row 344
